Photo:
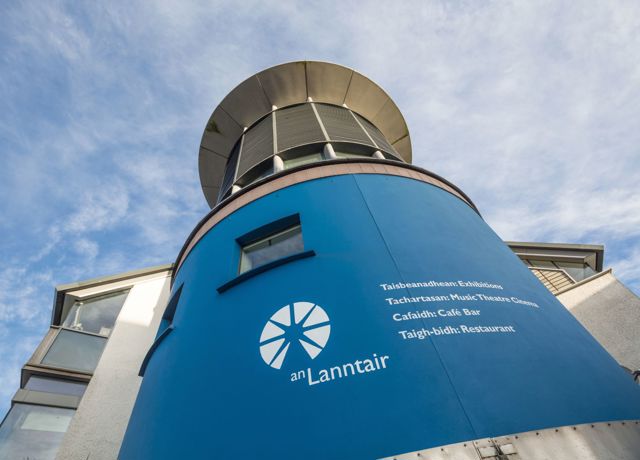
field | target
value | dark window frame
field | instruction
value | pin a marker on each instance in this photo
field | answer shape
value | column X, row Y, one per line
column 259, row 234
column 265, row 232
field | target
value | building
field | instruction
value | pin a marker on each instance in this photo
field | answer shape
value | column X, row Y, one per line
column 82, row 346
column 605, row 307
column 315, row 213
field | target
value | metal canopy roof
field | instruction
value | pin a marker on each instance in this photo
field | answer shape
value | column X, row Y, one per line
column 289, row 84
column 593, row 253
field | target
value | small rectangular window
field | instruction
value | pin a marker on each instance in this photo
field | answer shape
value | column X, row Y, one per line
column 273, row 247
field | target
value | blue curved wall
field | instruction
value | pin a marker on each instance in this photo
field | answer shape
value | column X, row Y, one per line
column 207, row 393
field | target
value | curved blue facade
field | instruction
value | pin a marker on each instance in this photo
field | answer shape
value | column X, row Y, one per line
column 438, row 334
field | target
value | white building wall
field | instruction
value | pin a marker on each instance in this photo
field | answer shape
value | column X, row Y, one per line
column 611, row 313
column 97, row 429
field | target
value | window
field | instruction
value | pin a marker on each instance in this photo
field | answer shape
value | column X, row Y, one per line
column 542, row 263
column 265, row 173
column 588, row 271
column 576, row 270
column 267, row 247
column 31, row 431
column 303, row 160
column 276, row 246
column 58, row 386
column 96, row 315
column 75, row 350
column 83, row 334
column 262, row 170
column 351, row 155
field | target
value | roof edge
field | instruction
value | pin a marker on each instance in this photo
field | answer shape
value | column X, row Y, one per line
column 597, row 248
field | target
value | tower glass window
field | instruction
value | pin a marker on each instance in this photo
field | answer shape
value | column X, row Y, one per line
column 273, row 247
column 303, row 160
column 341, row 154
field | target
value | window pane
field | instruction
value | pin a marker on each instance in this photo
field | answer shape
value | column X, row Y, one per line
column 351, row 155
column 267, row 172
column 272, row 248
column 542, row 263
column 33, row 432
column 588, row 271
column 75, row 350
column 575, row 270
column 97, row 315
column 58, row 386
column 303, row 160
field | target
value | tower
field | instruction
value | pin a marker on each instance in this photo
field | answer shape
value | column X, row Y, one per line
column 338, row 302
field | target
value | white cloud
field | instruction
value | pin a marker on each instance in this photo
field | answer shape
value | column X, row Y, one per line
column 101, row 206
column 87, row 249
column 20, row 294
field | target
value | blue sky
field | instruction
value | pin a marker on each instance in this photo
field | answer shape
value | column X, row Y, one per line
column 532, row 108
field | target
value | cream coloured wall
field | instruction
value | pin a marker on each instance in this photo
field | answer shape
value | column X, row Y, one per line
column 610, row 312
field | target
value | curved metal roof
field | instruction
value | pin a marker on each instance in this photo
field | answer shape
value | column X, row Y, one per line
column 289, row 84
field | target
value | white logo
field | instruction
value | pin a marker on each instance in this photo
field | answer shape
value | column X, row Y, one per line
column 302, row 323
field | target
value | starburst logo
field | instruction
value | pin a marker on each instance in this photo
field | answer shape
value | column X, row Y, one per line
column 301, row 324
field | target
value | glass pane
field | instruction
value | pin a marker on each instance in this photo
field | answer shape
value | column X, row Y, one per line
column 33, row 432
column 588, row 271
column 350, row 155
column 97, row 315
column 268, row 171
column 75, row 350
column 230, row 171
column 273, row 248
column 542, row 263
column 575, row 270
column 48, row 385
column 303, row 160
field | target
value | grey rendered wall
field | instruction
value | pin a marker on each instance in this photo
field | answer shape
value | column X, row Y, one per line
column 611, row 312
column 97, row 429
